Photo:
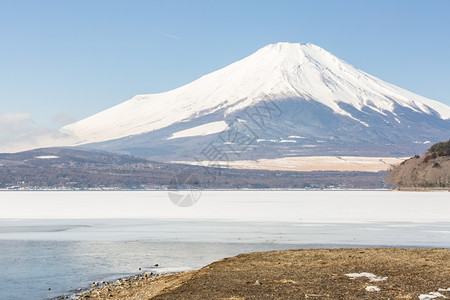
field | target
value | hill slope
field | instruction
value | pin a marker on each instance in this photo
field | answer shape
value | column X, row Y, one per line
column 430, row 170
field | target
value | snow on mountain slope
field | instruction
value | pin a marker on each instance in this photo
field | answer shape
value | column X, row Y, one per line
column 205, row 129
column 275, row 72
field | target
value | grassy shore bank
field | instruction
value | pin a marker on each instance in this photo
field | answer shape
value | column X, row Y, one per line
column 392, row 273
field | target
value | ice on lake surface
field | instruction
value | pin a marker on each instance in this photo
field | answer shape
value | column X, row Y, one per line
column 310, row 217
column 65, row 240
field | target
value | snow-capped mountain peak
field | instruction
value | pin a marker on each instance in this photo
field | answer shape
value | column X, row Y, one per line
column 302, row 72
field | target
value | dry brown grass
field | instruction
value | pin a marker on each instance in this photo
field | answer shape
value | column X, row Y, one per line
column 300, row 274
column 415, row 172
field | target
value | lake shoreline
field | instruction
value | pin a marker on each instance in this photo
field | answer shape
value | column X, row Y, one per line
column 377, row 273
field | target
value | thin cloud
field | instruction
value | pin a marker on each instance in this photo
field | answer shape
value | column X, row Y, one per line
column 63, row 119
column 18, row 132
column 169, row 35
column 9, row 120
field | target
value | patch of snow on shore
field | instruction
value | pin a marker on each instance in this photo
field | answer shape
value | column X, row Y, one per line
column 431, row 295
column 372, row 288
column 370, row 276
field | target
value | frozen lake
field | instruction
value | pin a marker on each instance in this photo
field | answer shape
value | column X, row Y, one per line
column 64, row 240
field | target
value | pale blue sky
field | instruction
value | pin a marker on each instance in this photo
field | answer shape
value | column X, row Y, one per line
column 80, row 57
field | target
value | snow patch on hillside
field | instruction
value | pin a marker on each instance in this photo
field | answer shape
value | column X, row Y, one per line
column 205, row 129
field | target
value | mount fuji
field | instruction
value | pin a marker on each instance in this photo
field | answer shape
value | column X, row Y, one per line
column 284, row 100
